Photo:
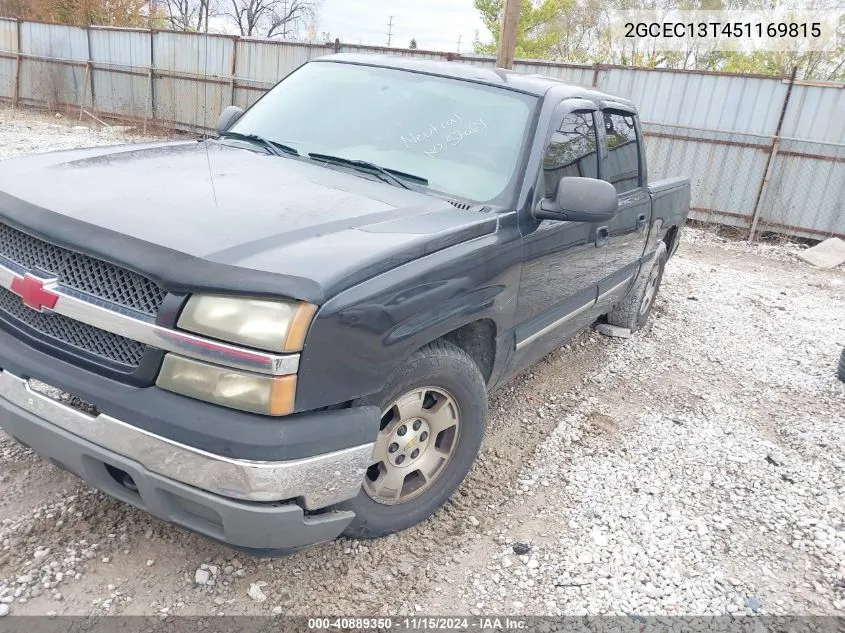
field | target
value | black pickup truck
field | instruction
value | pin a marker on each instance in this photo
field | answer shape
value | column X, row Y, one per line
column 289, row 332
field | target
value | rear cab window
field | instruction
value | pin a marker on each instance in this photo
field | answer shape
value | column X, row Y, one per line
column 620, row 165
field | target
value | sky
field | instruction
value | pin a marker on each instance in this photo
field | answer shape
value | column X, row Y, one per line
column 435, row 24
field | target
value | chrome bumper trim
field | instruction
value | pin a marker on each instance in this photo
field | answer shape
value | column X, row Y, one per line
column 105, row 316
column 319, row 481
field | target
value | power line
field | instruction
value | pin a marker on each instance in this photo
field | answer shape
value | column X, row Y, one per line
column 389, row 30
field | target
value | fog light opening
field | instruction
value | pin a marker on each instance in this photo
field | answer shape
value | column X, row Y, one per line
column 123, row 478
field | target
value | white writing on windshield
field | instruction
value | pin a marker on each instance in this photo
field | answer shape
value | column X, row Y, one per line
column 451, row 130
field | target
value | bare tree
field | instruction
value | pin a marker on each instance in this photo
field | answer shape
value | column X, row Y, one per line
column 188, row 15
column 271, row 18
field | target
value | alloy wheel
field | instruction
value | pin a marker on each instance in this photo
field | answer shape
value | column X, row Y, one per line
column 418, row 437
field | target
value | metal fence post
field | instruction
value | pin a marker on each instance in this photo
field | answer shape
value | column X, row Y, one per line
column 235, row 41
column 763, row 187
column 152, row 89
column 18, row 67
column 770, row 163
column 89, row 77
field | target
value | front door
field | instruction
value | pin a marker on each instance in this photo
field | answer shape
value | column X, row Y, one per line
column 563, row 261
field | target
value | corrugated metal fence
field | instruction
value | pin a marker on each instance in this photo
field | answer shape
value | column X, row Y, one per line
column 764, row 154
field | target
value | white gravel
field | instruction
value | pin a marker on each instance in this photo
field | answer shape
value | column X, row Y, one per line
column 701, row 468
column 695, row 468
column 781, row 248
column 27, row 132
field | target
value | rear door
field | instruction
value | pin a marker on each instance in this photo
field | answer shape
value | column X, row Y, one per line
column 623, row 165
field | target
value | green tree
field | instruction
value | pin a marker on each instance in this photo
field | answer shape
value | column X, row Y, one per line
column 578, row 31
column 534, row 39
column 824, row 66
column 413, row 44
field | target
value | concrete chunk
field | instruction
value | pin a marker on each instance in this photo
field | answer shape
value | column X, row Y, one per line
column 613, row 330
column 827, row 254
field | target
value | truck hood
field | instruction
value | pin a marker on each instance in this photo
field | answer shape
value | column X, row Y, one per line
column 320, row 229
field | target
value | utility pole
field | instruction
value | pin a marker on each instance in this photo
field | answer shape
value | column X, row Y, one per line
column 459, row 44
column 389, row 30
column 507, row 39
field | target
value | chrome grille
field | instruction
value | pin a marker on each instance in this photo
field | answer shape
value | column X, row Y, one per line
column 84, row 337
column 81, row 272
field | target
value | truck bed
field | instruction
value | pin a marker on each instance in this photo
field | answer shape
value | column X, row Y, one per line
column 670, row 200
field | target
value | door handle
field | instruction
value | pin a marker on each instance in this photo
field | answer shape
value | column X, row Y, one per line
column 602, row 235
column 642, row 223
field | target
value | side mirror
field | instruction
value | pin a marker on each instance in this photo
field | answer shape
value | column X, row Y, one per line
column 228, row 117
column 580, row 200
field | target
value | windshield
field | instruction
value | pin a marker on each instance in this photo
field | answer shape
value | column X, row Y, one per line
column 464, row 138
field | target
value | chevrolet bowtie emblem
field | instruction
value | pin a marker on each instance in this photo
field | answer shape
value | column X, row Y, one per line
column 33, row 293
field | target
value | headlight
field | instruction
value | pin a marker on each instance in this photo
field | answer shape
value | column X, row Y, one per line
column 277, row 326
column 268, row 395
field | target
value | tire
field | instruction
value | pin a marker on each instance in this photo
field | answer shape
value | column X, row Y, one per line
column 841, row 372
column 633, row 311
column 442, row 373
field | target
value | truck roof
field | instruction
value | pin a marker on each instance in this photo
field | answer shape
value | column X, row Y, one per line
column 532, row 84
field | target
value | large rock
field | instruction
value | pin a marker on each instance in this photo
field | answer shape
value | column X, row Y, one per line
column 202, row 576
column 255, row 591
column 827, row 254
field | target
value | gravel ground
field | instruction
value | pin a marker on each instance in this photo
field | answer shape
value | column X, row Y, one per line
column 695, row 468
column 700, row 468
column 28, row 132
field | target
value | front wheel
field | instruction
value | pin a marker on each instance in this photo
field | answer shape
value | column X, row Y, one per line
column 434, row 412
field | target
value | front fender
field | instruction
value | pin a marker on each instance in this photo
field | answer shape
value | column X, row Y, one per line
column 362, row 335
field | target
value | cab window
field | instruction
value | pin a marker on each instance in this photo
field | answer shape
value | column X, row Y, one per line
column 621, row 166
column 572, row 151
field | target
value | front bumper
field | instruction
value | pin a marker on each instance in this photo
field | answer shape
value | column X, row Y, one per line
column 319, row 481
column 188, row 487
column 216, row 496
column 264, row 528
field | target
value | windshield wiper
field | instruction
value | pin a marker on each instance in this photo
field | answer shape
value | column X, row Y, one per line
column 277, row 149
column 386, row 174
